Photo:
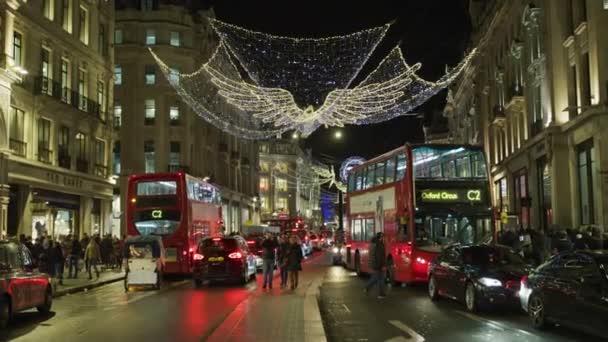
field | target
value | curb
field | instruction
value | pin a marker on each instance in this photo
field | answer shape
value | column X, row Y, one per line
column 82, row 288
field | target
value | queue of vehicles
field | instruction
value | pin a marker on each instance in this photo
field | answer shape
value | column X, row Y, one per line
column 432, row 203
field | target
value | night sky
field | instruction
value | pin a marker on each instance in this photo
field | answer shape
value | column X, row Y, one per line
column 433, row 32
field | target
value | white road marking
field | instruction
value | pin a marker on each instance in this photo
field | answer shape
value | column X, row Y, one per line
column 414, row 337
column 398, row 339
column 346, row 308
column 493, row 324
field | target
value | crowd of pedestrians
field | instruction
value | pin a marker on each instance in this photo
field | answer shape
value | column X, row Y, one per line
column 53, row 255
column 284, row 251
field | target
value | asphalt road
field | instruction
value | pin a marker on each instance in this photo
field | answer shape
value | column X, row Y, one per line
column 407, row 314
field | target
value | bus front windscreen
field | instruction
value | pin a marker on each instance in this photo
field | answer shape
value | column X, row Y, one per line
column 448, row 163
column 156, row 221
column 440, row 230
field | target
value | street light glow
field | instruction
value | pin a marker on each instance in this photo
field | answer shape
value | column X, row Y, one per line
column 338, row 134
column 294, row 136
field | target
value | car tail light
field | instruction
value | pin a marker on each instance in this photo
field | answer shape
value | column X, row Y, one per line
column 235, row 255
column 524, row 281
column 191, row 250
column 347, row 245
column 185, row 252
column 198, row 256
column 421, row 261
column 250, row 242
column 217, row 239
column 512, row 284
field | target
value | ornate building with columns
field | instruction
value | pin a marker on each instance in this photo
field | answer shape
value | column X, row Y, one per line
column 536, row 97
column 56, row 64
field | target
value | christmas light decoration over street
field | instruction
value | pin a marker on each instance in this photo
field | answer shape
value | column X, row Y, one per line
column 300, row 84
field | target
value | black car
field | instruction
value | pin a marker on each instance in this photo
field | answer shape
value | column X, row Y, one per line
column 478, row 275
column 570, row 289
column 22, row 287
column 223, row 258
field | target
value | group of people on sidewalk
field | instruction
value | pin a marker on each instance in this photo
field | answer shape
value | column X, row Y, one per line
column 287, row 254
column 53, row 256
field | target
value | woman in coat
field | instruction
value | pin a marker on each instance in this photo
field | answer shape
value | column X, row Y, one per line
column 294, row 261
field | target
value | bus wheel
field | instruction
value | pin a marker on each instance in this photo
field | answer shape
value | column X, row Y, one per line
column 358, row 264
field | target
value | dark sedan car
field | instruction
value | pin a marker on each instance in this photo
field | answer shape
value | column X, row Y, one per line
column 479, row 275
column 21, row 286
column 223, row 258
column 570, row 289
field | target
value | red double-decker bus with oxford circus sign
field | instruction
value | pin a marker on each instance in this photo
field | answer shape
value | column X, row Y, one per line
column 422, row 197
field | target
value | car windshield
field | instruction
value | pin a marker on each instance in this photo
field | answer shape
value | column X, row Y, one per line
column 156, row 222
column 441, row 230
column 488, row 256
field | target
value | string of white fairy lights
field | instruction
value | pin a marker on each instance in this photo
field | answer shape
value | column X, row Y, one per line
column 257, row 85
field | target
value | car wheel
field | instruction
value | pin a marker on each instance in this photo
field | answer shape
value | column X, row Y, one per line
column 433, row 293
column 536, row 310
column 48, row 302
column 5, row 313
column 358, row 265
column 470, row 297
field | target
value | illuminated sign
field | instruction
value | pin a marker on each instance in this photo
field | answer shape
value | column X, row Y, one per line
column 453, row 196
column 157, row 214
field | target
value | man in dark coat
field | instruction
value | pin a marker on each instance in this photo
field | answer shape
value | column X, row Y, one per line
column 282, row 258
column 269, row 246
column 74, row 257
column 377, row 263
column 294, row 260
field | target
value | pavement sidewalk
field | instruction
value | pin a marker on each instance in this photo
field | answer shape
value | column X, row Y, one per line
column 83, row 283
column 278, row 315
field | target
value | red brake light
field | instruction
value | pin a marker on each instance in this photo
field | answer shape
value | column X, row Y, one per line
column 294, row 230
column 524, row 280
column 235, row 255
column 185, row 252
column 198, row 256
column 217, row 239
column 191, row 250
column 250, row 242
column 347, row 245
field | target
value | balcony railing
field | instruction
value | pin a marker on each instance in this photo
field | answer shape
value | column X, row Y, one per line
column 101, row 170
column 45, row 86
column 82, row 165
column 64, row 159
column 45, row 155
column 19, row 147
column 177, row 168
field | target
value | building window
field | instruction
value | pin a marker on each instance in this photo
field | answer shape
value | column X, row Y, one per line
column 150, row 111
column 281, row 205
column 17, row 48
column 118, row 36
column 264, row 184
column 65, row 80
column 67, row 15
column 174, row 115
column 117, row 116
column 101, row 98
column 520, row 182
column 264, row 166
column 64, row 147
column 82, row 89
column 117, row 75
column 16, row 131
column 147, row 5
column 44, row 140
column 45, row 71
column 101, row 41
column 149, row 159
column 116, row 158
column 100, row 152
column 48, row 9
column 150, row 37
column 587, row 182
column 150, row 72
column 544, row 193
column 585, row 87
column 83, row 27
column 175, row 38
column 81, row 146
column 174, row 76
column 175, row 158
column 281, row 184
column 502, row 200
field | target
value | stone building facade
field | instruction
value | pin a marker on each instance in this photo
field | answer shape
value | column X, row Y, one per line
column 55, row 130
column 536, row 97
column 156, row 131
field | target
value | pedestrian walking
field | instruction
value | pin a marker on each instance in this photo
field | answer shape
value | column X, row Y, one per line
column 377, row 263
column 283, row 259
column 294, row 261
column 74, row 258
column 59, row 261
column 91, row 257
column 269, row 247
column 563, row 244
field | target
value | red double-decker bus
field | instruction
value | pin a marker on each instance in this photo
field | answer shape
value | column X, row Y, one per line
column 180, row 208
column 422, row 197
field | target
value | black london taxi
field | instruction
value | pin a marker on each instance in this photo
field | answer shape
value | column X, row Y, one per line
column 21, row 286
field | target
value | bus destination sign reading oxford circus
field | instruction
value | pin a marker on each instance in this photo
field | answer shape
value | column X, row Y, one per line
column 451, row 196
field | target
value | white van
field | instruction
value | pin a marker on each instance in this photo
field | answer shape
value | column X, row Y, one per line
column 144, row 259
